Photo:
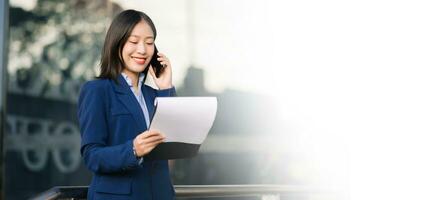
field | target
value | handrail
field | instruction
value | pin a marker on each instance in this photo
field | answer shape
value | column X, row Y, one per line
column 194, row 191
column 198, row 191
column 63, row 192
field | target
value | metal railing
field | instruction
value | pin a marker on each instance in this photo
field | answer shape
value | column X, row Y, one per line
column 265, row 192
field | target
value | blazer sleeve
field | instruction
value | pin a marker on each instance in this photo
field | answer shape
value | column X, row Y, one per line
column 171, row 92
column 97, row 155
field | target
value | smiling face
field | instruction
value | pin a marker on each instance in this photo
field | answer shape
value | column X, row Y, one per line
column 138, row 49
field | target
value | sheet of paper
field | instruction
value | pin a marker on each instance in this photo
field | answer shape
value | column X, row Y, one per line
column 184, row 119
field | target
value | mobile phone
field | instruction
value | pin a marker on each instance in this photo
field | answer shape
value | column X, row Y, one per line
column 156, row 65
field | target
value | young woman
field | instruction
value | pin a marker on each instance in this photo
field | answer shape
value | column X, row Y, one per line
column 114, row 113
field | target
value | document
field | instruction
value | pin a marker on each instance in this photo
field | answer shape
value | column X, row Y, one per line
column 185, row 121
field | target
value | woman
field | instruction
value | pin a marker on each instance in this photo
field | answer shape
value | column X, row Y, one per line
column 114, row 113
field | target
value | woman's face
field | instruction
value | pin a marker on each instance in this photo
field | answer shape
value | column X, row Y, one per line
column 138, row 49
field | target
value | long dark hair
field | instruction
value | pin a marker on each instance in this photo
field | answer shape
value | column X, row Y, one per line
column 120, row 29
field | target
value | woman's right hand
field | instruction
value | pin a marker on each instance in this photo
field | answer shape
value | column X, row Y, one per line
column 145, row 142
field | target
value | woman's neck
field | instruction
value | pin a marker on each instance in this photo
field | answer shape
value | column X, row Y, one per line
column 133, row 76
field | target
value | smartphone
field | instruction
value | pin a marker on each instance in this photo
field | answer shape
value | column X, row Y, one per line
column 156, row 65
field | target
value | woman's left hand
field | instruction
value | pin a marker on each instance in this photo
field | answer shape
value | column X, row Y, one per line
column 164, row 81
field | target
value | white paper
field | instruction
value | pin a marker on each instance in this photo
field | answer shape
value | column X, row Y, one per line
column 184, row 119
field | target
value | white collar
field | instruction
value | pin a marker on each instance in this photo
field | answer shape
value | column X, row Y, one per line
column 128, row 79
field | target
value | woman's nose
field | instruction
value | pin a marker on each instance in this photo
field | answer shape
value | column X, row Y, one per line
column 141, row 49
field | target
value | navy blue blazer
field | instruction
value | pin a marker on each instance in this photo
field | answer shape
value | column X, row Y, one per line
column 110, row 118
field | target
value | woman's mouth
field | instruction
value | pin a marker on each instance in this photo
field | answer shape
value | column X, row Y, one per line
column 139, row 60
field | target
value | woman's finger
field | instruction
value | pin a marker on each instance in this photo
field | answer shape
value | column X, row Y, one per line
column 149, row 148
column 162, row 57
column 161, row 54
column 149, row 133
column 153, row 145
column 153, row 139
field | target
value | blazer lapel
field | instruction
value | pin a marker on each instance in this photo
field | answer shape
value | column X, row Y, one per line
column 126, row 96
